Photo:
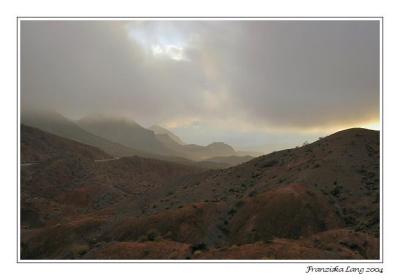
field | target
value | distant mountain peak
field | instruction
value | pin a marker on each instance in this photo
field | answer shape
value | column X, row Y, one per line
column 157, row 129
column 126, row 132
column 221, row 146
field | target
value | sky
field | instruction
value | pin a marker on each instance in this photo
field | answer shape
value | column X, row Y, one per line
column 257, row 85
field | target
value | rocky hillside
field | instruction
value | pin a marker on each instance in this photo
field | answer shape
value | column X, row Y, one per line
column 319, row 201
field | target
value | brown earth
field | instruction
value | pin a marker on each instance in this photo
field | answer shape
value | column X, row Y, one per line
column 319, row 201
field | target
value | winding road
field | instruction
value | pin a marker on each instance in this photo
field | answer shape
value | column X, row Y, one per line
column 23, row 164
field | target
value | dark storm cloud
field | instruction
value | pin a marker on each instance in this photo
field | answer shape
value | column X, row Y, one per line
column 89, row 67
column 305, row 74
column 261, row 73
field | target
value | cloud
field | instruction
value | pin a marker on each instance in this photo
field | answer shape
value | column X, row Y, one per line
column 302, row 74
column 259, row 75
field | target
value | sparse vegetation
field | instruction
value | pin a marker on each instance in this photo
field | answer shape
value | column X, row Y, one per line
column 146, row 208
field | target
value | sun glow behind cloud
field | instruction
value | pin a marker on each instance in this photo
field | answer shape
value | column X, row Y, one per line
column 161, row 41
column 170, row 51
column 375, row 125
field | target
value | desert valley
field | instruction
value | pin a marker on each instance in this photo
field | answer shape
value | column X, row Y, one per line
column 103, row 188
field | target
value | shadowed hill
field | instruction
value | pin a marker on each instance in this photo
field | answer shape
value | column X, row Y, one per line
column 57, row 124
column 37, row 146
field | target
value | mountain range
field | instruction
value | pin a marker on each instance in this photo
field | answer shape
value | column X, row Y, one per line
column 318, row 201
column 122, row 137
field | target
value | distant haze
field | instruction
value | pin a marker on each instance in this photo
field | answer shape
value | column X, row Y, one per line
column 256, row 85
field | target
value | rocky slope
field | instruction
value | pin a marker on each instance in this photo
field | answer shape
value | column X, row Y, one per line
column 319, row 201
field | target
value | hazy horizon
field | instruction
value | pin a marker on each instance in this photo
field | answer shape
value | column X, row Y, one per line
column 255, row 85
